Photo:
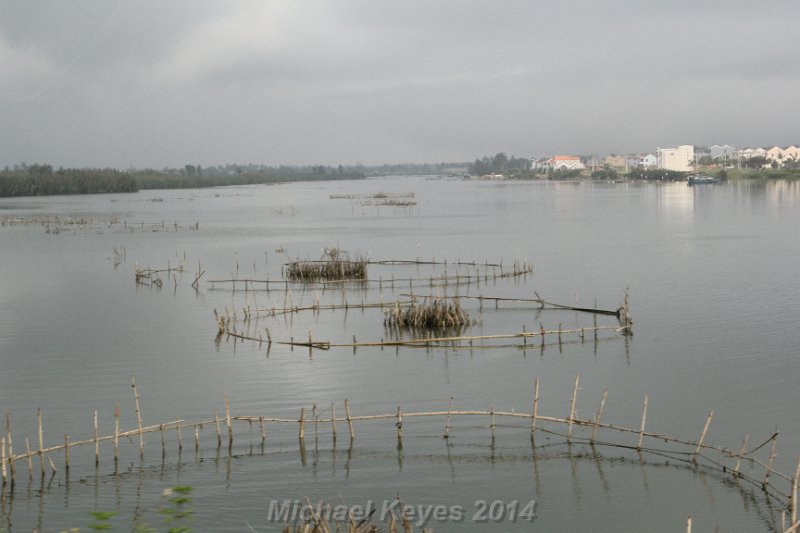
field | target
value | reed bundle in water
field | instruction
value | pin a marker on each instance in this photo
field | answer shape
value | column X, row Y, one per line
column 431, row 313
column 334, row 265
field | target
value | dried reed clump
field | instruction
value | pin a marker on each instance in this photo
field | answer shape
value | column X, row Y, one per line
column 334, row 265
column 432, row 314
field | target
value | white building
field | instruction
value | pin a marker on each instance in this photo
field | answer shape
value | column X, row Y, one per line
column 648, row 161
column 680, row 158
column 721, row 152
column 568, row 162
column 748, row 153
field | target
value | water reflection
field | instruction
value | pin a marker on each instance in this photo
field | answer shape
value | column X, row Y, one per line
column 546, row 459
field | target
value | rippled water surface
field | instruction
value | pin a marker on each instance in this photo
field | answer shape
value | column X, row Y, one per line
column 712, row 274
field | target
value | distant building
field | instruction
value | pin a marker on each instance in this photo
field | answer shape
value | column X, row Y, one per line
column 721, row 152
column 680, row 158
column 567, row 162
column 616, row 161
column 775, row 154
column 792, row 152
column 749, row 153
column 539, row 163
column 648, row 161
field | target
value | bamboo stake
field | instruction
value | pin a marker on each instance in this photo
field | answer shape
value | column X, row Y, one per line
column 228, row 420
column 3, row 458
column 29, row 454
column 349, row 419
column 180, row 437
column 447, row 425
column 572, row 406
column 52, row 465
column 689, row 525
column 599, row 414
column 702, row 436
column 41, row 438
column 333, row 420
column 163, row 442
column 641, row 431
column 741, row 452
column 96, row 441
column 116, row 432
column 219, row 433
column 11, row 467
column 535, row 405
column 263, row 431
column 765, row 483
column 399, row 423
column 138, row 414
column 66, row 452
column 302, row 423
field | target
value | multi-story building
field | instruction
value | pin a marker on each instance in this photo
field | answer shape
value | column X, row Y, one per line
column 680, row 158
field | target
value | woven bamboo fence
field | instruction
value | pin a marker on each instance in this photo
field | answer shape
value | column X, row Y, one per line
column 777, row 486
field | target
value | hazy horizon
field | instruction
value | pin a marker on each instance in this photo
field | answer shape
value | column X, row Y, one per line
column 94, row 83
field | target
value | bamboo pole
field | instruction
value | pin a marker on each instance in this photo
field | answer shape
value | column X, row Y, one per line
column 349, row 419
column 116, row 432
column 138, row 414
column 333, row 421
column 598, row 417
column 219, row 433
column 197, row 437
column 302, row 423
column 66, row 452
column 228, row 420
column 535, row 405
column 263, row 431
column 3, row 458
column 41, row 438
column 399, row 423
column 702, row 436
column 741, row 452
column 180, row 437
column 641, row 431
column 765, row 483
column 447, row 425
column 29, row 454
column 689, row 525
column 11, row 467
column 96, row 441
column 572, row 407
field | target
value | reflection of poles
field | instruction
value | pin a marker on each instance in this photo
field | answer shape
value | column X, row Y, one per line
column 597, row 461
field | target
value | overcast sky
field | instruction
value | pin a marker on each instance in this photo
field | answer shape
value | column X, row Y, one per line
column 155, row 83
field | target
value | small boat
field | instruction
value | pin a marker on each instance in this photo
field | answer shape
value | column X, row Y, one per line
column 697, row 179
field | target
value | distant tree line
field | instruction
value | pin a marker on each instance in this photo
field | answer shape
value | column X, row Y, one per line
column 500, row 163
column 43, row 180
column 414, row 169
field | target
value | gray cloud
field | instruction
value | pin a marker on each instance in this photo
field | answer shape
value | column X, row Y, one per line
column 165, row 83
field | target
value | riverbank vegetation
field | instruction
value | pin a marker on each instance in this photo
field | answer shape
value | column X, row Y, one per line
column 763, row 174
column 44, row 180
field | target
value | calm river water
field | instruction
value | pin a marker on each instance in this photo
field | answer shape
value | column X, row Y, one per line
column 712, row 273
